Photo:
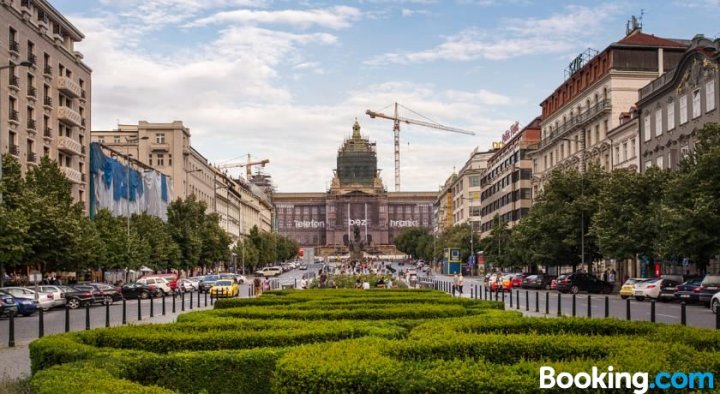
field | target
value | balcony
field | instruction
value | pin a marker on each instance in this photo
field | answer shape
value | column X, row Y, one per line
column 155, row 146
column 32, row 58
column 578, row 121
column 83, row 95
column 32, row 91
column 47, row 133
column 14, row 81
column 69, row 145
column 15, row 47
column 47, row 70
column 72, row 175
column 68, row 116
column 14, row 116
column 47, row 101
column 69, row 87
column 32, row 157
column 31, row 124
column 14, row 150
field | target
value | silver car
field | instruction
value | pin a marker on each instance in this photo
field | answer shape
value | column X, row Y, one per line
column 58, row 293
column 45, row 300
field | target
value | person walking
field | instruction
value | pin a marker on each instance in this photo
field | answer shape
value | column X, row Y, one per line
column 456, row 280
column 460, row 284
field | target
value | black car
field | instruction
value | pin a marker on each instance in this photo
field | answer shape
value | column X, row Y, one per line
column 668, row 286
column 207, row 282
column 539, row 281
column 110, row 293
column 580, row 281
column 81, row 295
column 708, row 287
column 688, row 291
column 139, row 290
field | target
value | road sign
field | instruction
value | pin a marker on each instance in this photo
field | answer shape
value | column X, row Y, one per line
column 686, row 262
column 471, row 260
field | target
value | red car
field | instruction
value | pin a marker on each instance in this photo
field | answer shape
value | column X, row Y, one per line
column 553, row 284
column 517, row 280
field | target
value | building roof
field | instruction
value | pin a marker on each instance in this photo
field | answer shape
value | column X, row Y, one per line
column 638, row 38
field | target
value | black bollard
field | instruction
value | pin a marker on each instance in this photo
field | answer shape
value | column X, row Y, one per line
column 511, row 299
column 559, row 311
column 152, row 306
column 652, row 311
column 182, row 301
column 547, row 303
column 11, row 330
column 191, row 300
column 87, row 316
column 717, row 319
column 537, row 302
column 206, row 295
column 173, row 305
column 107, row 314
column 627, row 309
column 139, row 308
column 517, row 298
column 198, row 300
column 503, row 296
column 683, row 316
column 589, row 306
column 67, row 319
column 573, row 305
column 124, row 316
column 163, row 304
column 472, row 294
column 607, row 307
column 41, row 324
column 527, row 300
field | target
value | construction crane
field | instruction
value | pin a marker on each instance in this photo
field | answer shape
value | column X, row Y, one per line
column 397, row 119
column 248, row 165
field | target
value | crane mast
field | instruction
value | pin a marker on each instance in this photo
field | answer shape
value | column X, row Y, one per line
column 397, row 119
column 248, row 166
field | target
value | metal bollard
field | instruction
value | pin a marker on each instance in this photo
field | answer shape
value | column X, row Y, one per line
column 107, row 314
column 717, row 319
column 537, row 302
column 511, row 299
column 559, row 309
column 139, row 309
column 67, row 319
column 124, row 316
column 547, row 303
column 589, row 307
column 11, row 330
column 191, row 301
column 517, row 298
column 198, row 300
column 652, row 311
column 607, row 307
column 472, row 294
column 41, row 324
column 527, row 301
column 574, row 303
column 152, row 306
column 206, row 295
column 163, row 304
column 503, row 296
column 87, row 316
column 627, row 309
column 683, row 315
column 173, row 304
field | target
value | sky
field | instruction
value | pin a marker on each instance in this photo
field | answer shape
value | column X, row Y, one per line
column 285, row 80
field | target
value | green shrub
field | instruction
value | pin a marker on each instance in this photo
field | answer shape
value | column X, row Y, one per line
column 81, row 379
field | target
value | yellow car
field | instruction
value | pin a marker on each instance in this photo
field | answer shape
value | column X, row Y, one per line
column 627, row 289
column 224, row 288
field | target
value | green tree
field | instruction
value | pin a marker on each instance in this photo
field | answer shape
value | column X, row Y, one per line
column 163, row 252
column 215, row 241
column 120, row 250
column 411, row 241
column 496, row 245
column 185, row 224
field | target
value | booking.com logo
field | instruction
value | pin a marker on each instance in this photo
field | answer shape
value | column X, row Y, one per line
column 639, row 381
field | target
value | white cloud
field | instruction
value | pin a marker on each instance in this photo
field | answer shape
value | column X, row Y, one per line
column 516, row 37
column 157, row 13
column 337, row 17
column 411, row 12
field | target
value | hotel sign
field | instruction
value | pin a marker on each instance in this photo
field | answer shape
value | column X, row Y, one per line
column 509, row 133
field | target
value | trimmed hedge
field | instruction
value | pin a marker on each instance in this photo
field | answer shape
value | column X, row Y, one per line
column 354, row 341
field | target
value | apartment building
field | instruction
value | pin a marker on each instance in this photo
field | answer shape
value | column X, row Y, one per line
column 578, row 115
column 466, row 189
column 166, row 147
column 443, row 205
column 241, row 206
column 45, row 99
column 674, row 106
column 507, row 183
column 623, row 141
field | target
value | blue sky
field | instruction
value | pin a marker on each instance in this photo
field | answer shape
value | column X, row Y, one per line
column 284, row 80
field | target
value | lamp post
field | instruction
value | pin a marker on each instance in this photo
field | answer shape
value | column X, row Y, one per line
column 128, row 162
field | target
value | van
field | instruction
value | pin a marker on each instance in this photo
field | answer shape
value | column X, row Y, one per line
column 270, row 271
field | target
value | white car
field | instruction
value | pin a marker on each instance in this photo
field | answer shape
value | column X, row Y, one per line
column 269, row 271
column 57, row 292
column 160, row 283
column 715, row 303
column 45, row 300
column 649, row 288
column 186, row 285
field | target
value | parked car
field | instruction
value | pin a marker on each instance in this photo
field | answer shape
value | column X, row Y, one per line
column 157, row 281
column 139, row 290
column 553, row 284
column 715, row 303
column 44, row 300
column 688, row 291
column 97, row 296
column 111, row 294
column 224, row 288
column 526, row 282
column 495, row 282
column 649, row 288
column 57, row 292
column 82, row 295
column 628, row 288
column 517, row 280
column 539, row 281
column 580, row 281
column 207, row 282
column 506, row 282
column 709, row 286
column 25, row 306
column 269, row 271
column 170, row 278
column 668, row 286
column 8, row 304
column 185, row 285
column 303, row 267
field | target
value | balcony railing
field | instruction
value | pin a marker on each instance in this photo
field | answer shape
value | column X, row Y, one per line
column 47, row 132
column 31, row 157
column 25, row 3
column 68, row 116
column 82, row 122
column 162, row 146
column 32, row 58
column 47, row 69
column 14, row 149
column 69, row 86
column 578, row 121
column 14, row 81
column 32, row 91
column 14, row 115
column 31, row 124
column 82, row 94
column 82, row 149
column 69, row 145
column 47, row 101
column 72, row 175
column 657, row 84
column 14, row 46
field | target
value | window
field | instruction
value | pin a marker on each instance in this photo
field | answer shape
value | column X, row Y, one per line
column 646, row 128
column 632, row 147
column 671, row 116
column 710, row 96
column 170, row 159
column 658, row 122
column 648, row 164
column 150, row 159
column 617, row 153
column 696, row 103
column 160, row 159
column 684, row 151
column 160, row 138
column 683, row 109
column 116, row 139
column 624, row 152
column 597, row 133
column 660, row 161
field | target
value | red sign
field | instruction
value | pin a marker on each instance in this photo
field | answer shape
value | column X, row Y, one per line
column 301, row 252
column 509, row 133
column 657, row 270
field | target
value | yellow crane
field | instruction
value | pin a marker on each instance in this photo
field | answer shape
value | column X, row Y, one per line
column 397, row 119
column 248, row 165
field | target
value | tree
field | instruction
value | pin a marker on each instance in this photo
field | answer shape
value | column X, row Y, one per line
column 247, row 254
column 496, row 245
column 409, row 241
column 215, row 241
column 120, row 250
column 163, row 252
column 13, row 222
column 185, row 222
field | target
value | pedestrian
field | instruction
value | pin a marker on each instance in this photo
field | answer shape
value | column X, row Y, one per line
column 266, row 284
column 303, row 284
column 611, row 276
column 258, row 286
column 461, row 283
column 605, row 276
column 455, row 284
